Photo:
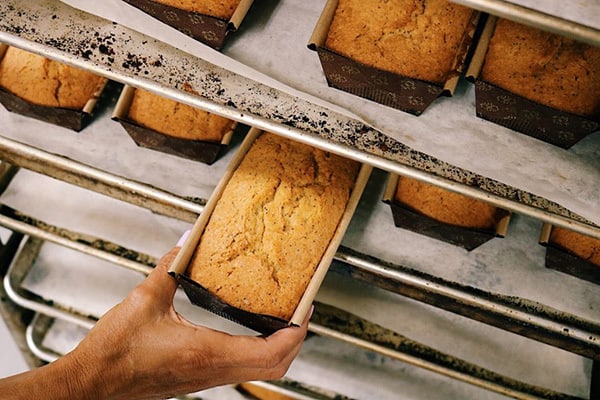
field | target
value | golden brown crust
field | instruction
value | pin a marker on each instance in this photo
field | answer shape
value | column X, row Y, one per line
column 418, row 39
column 215, row 8
column 446, row 206
column 543, row 67
column 46, row 82
column 176, row 119
column 583, row 246
column 272, row 224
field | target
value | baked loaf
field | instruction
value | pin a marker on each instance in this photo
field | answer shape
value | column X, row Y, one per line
column 417, row 39
column 446, row 206
column 543, row 67
column 45, row 82
column 272, row 225
column 582, row 246
column 176, row 119
column 215, row 8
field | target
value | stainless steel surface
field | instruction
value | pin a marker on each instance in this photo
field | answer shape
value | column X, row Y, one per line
column 65, row 36
column 525, row 15
column 100, row 181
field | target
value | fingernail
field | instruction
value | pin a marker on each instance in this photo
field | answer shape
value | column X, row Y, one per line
column 183, row 238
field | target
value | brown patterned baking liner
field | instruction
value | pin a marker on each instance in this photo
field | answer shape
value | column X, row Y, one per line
column 563, row 260
column 522, row 115
column 383, row 87
column 207, row 29
column 75, row 120
column 197, row 150
column 504, row 108
column 468, row 238
column 200, row 296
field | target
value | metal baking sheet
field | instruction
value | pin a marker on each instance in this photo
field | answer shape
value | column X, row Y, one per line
column 292, row 103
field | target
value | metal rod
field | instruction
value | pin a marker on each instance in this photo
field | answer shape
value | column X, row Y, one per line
column 528, row 16
column 524, row 317
column 91, row 178
column 48, row 235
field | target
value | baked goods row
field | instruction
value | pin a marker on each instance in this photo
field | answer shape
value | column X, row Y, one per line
column 289, row 207
column 405, row 54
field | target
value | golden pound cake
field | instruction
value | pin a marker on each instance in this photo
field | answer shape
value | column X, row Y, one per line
column 445, row 206
column 45, row 82
column 543, row 67
column 416, row 39
column 215, row 8
column 272, row 224
column 176, row 119
column 583, row 246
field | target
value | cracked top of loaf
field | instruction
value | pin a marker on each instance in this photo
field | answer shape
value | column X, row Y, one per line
column 215, row 8
column 418, row 39
column 176, row 119
column 272, row 224
column 544, row 67
column 46, row 82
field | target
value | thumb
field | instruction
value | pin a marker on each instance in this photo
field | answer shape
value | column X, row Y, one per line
column 159, row 280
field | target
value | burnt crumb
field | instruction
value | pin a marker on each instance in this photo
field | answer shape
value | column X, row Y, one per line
column 104, row 49
column 54, row 16
column 86, row 53
column 230, row 103
column 134, row 62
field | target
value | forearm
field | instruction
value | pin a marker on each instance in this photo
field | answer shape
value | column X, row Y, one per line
column 62, row 379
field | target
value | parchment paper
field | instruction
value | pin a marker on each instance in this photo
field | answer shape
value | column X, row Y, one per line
column 271, row 48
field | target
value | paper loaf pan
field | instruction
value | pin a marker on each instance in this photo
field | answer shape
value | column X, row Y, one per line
column 468, row 238
column 264, row 324
column 383, row 87
column 502, row 107
column 196, row 150
column 71, row 119
column 565, row 261
column 207, row 29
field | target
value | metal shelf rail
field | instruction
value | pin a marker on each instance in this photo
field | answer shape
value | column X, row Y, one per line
column 525, row 15
column 57, row 31
column 327, row 321
column 517, row 315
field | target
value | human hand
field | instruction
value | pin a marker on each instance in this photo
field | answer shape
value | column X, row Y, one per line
column 143, row 349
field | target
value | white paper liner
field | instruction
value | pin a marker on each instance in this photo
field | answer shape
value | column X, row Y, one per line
column 270, row 49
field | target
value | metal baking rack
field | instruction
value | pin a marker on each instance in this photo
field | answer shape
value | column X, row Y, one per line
column 540, row 323
column 327, row 321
